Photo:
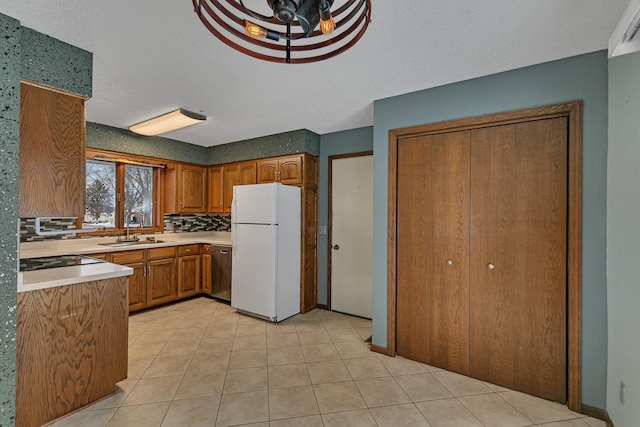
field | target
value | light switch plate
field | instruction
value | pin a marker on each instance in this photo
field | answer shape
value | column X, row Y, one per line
column 322, row 229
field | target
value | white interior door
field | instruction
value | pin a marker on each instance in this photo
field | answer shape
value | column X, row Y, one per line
column 352, row 235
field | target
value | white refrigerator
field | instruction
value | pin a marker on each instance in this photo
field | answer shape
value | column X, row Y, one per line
column 265, row 237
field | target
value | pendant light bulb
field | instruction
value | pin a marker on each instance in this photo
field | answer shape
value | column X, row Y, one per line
column 255, row 31
column 327, row 25
column 258, row 32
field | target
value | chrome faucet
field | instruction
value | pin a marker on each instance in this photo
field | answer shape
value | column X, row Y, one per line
column 140, row 217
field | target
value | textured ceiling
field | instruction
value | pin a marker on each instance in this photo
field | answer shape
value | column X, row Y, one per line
column 151, row 56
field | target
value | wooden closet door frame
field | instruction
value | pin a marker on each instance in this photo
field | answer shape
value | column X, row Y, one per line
column 571, row 110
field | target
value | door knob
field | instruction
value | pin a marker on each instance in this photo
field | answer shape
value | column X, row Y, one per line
column 336, row 247
column 449, row 262
column 490, row 266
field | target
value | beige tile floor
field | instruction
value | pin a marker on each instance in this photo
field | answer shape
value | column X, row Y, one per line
column 199, row 363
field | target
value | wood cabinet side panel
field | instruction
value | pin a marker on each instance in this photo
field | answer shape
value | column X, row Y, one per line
column 71, row 348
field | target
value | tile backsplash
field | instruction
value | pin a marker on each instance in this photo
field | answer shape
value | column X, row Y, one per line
column 175, row 223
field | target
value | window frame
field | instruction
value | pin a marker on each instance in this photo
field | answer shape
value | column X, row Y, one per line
column 120, row 160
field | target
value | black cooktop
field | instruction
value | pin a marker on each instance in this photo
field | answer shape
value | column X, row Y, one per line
column 31, row 264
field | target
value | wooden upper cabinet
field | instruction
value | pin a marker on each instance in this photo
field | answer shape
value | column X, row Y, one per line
column 267, row 171
column 185, row 188
column 215, row 189
column 286, row 170
column 247, row 173
column 290, row 170
column 52, row 162
column 230, row 178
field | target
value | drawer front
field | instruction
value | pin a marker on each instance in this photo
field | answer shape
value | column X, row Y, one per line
column 189, row 250
column 159, row 253
column 103, row 257
column 127, row 257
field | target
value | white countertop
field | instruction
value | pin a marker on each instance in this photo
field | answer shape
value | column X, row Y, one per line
column 62, row 276
column 52, row 277
column 87, row 246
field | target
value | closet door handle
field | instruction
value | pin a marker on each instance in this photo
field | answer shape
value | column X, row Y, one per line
column 449, row 262
column 491, row 266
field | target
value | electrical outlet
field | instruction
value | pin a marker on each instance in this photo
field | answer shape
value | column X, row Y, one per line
column 622, row 387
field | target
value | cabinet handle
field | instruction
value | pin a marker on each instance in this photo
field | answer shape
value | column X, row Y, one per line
column 224, row 251
column 491, row 266
column 449, row 262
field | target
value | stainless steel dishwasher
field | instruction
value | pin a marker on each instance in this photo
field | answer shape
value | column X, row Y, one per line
column 221, row 272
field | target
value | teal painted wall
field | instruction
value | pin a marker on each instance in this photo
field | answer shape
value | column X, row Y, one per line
column 125, row 141
column 34, row 56
column 297, row 141
column 54, row 63
column 9, row 147
column 623, row 239
column 333, row 144
column 583, row 77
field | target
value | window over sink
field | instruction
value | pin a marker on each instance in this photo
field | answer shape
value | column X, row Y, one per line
column 122, row 190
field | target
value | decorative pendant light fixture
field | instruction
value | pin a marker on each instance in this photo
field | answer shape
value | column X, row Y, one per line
column 287, row 31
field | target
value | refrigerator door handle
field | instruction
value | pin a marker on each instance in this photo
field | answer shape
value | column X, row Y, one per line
column 234, row 243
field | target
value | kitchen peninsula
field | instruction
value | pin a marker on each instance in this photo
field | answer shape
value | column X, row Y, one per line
column 73, row 320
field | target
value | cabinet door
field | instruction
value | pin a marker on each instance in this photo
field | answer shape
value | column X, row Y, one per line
column 161, row 281
column 52, row 163
column 206, row 270
column 191, row 188
column 230, row 179
column 137, row 287
column 290, row 170
column 215, row 189
column 247, row 173
column 267, row 171
column 188, row 275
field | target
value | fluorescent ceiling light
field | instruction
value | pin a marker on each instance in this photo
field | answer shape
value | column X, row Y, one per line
column 177, row 119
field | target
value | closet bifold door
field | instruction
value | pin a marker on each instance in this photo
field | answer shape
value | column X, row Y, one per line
column 433, row 250
column 518, row 246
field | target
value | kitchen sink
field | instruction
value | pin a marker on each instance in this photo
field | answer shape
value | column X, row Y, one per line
column 139, row 242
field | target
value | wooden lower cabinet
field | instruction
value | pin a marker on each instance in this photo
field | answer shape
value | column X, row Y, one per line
column 135, row 259
column 206, row 269
column 188, row 270
column 71, row 348
column 137, row 287
column 161, row 276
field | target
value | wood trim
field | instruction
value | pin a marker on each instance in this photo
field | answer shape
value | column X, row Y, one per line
column 323, row 306
column 54, row 89
column 120, row 157
column 330, row 219
column 572, row 110
column 593, row 412
column 391, row 244
column 574, row 259
column 381, row 350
